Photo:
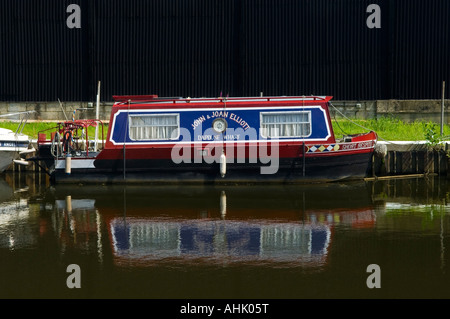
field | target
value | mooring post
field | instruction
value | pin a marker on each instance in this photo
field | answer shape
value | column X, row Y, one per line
column 442, row 108
column 373, row 164
column 304, row 159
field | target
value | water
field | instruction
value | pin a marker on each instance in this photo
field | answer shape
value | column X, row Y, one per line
column 208, row 242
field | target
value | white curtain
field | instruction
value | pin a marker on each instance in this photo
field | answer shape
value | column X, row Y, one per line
column 286, row 124
column 154, row 127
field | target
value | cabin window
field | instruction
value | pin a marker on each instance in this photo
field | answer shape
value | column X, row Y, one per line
column 286, row 124
column 154, row 127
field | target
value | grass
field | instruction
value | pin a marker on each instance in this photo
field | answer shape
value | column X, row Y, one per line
column 392, row 129
column 387, row 128
column 32, row 129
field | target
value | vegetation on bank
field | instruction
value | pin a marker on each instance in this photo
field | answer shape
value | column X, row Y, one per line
column 387, row 128
column 393, row 129
column 32, row 129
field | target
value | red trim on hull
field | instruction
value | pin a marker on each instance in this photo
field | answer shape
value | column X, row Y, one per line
column 285, row 150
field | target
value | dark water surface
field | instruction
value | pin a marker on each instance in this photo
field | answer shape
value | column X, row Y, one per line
column 171, row 242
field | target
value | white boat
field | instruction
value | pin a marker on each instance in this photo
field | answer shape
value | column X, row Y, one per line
column 13, row 145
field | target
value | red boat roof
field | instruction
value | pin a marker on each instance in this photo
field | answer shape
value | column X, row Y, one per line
column 126, row 98
column 149, row 99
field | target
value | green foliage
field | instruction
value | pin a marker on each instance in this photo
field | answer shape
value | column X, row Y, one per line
column 388, row 128
column 32, row 129
column 433, row 136
column 392, row 129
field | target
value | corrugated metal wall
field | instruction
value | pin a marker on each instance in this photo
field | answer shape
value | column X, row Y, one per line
column 237, row 47
column 40, row 58
column 420, row 45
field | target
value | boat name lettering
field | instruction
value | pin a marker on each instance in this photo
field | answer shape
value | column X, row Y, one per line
column 347, row 146
column 208, row 137
column 227, row 137
column 221, row 114
column 198, row 121
column 364, row 144
column 231, row 137
column 8, row 144
column 353, row 146
column 240, row 121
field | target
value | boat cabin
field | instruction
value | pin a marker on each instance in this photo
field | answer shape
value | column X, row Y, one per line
column 150, row 120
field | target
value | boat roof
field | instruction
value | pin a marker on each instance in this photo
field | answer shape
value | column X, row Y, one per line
column 155, row 100
column 5, row 131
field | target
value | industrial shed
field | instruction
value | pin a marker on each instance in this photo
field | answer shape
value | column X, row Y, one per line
column 236, row 47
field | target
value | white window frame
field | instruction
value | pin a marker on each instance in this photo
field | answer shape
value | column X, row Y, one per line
column 264, row 129
column 177, row 115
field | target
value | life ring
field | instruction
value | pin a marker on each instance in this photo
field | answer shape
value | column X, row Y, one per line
column 67, row 141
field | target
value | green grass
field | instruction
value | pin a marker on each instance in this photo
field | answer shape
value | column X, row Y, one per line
column 32, row 129
column 387, row 128
column 391, row 129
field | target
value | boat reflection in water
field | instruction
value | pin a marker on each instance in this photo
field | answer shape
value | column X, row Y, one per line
column 17, row 219
column 146, row 240
column 148, row 225
column 303, row 241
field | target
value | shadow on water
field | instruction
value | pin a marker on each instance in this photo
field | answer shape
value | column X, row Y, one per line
column 255, row 241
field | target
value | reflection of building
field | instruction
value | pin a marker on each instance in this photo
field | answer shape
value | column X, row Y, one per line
column 139, row 240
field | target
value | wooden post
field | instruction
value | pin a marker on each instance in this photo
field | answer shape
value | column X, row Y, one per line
column 442, row 108
column 304, row 159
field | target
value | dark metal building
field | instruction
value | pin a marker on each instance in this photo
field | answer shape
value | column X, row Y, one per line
column 237, row 47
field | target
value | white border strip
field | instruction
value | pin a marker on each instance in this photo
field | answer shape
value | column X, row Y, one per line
column 260, row 109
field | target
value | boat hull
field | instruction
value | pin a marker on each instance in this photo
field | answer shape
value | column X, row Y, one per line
column 6, row 159
column 328, row 168
column 215, row 141
column 8, row 154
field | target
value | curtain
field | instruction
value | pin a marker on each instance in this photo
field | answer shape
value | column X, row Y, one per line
column 286, row 124
column 154, row 127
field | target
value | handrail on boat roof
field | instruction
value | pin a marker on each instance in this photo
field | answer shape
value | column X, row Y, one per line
column 23, row 120
column 132, row 99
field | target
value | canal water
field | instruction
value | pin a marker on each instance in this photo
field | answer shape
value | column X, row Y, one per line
column 385, row 239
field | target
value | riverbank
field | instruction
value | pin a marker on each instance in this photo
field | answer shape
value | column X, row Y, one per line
column 403, row 148
column 405, row 110
column 388, row 128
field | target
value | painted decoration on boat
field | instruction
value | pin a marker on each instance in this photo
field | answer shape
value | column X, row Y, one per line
column 196, row 125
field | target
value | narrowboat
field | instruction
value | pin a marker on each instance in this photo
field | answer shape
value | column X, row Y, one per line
column 151, row 139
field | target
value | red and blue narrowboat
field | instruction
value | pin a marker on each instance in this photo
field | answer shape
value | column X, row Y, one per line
column 283, row 139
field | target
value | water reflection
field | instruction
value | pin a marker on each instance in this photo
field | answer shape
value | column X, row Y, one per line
column 333, row 230
column 17, row 218
column 144, row 225
column 210, row 225
column 240, row 223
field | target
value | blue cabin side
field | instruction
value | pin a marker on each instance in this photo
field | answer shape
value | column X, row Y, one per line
column 289, row 123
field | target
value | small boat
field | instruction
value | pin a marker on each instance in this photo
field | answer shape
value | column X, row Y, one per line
column 68, row 139
column 13, row 145
column 282, row 139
